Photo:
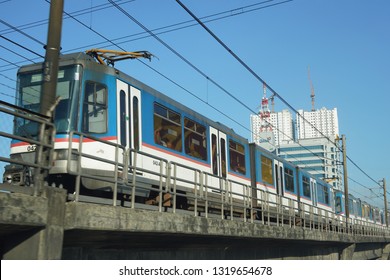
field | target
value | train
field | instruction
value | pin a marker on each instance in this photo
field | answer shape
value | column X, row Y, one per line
column 111, row 114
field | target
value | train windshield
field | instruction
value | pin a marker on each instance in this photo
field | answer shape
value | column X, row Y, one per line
column 29, row 97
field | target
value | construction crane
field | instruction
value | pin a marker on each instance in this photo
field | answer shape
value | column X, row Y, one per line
column 272, row 98
column 312, row 94
column 109, row 57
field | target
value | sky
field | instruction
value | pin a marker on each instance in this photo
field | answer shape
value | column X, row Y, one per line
column 345, row 43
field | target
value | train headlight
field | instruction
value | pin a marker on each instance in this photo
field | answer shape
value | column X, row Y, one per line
column 63, row 154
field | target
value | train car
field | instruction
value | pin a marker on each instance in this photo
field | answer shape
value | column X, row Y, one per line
column 125, row 114
column 114, row 114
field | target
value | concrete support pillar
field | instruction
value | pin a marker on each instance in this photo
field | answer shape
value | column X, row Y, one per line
column 42, row 243
column 347, row 252
column 386, row 252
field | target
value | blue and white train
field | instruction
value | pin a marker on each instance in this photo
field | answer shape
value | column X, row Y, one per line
column 105, row 103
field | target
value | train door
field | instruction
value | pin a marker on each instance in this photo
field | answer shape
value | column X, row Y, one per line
column 279, row 177
column 218, row 153
column 129, row 116
column 313, row 189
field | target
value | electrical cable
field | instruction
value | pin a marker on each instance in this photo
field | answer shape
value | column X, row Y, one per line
column 19, row 45
column 18, row 54
column 261, row 80
column 75, row 13
column 21, row 32
column 187, row 24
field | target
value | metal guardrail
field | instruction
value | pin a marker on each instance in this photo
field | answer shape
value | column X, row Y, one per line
column 26, row 163
column 210, row 201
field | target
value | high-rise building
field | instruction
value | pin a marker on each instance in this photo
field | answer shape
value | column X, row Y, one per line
column 317, row 124
column 283, row 124
column 318, row 156
column 318, row 152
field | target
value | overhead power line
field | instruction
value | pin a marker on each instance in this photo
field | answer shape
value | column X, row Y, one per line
column 261, row 80
column 75, row 13
column 20, row 46
column 21, row 32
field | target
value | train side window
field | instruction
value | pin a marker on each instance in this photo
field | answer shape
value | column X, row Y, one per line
column 350, row 205
column 214, row 155
column 323, row 194
column 338, row 204
column 306, row 186
column 237, row 157
column 167, row 128
column 289, row 179
column 123, row 118
column 266, row 170
column 195, row 139
column 136, row 122
column 326, row 195
column 355, row 209
column 95, row 108
column 223, row 157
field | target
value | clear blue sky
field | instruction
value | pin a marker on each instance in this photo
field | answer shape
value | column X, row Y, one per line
column 346, row 43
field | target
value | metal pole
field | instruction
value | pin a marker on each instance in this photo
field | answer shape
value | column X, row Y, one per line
column 385, row 198
column 49, row 87
column 50, row 67
column 345, row 178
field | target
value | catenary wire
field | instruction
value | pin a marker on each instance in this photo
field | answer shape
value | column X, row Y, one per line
column 262, row 81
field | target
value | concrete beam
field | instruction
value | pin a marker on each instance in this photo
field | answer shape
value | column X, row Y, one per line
column 347, row 252
column 44, row 241
column 104, row 217
column 386, row 252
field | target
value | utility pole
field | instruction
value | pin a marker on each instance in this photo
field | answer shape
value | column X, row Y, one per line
column 49, row 88
column 346, row 194
column 50, row 66
column 385, row 200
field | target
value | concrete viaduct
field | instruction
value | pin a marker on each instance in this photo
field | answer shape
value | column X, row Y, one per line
column 51, row 227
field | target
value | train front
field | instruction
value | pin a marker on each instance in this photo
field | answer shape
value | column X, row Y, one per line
column 66, row 114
